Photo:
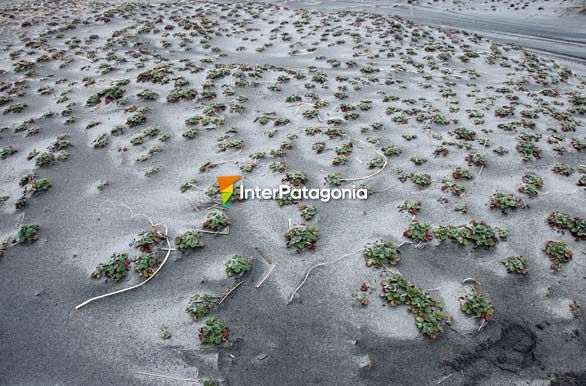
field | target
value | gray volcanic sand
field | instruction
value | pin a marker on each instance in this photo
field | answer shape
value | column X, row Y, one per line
column 324, row 336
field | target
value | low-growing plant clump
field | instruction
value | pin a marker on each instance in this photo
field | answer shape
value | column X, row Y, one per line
column 477, row 304
column 428, row 313
column 516, row 265
column 238, row 265
column 379, row 252
column 189, row 240
column 214, row 332
column 116, row 268
column 200, row 306
column 558, row 252
column 302, row 237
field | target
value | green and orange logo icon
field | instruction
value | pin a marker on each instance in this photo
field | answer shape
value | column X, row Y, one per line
column 226, row 184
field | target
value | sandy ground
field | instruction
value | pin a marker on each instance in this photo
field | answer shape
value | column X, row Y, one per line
column 324, row 336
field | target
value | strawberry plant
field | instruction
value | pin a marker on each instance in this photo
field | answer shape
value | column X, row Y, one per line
column 216, row 221
column 7, row 151
column 45, row 159
column 319, row 147
column 189, row 240
column 148, row 240
column 156, row 75
column 421, row 180
column 391, row 150
column 505, row 201
column 419, row 231
column 455, row 188
column 563, row 169
column 295, row 178
column 238, row 265
column 477, row 304
column 410, row 206
column 28, row 233
column 481, row 234
column 307, row 211
column 465, row 134
column 516, row 265
column 116, row 268
column 380, row 252
column 531, row 185
column 107, row 95
column 376, row 163
column 576, row 225
column 428, row 313
column 200, row 306
column 214, row 332
column 302, row 237
column 558, row 252
column 146, row 264
column 461, row 173
column 476, row 159
column 478, row 233
column 334, row 179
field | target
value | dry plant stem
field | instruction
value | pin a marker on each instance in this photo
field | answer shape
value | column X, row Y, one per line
column 170, row 377
column 229, row 292
column 141, row 283
column 224, row 233
column 444, row 379
column 373, row 174
column 266, row 276
column 316, row 266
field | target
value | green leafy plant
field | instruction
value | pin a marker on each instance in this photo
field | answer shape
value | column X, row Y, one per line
column 45, row 159
column 411, row 206
column 146, row 264
column 116, row 268
column 40, row 185
column 461, row 173
column 302, row 237
column 107, row 95
column 214, row 332
column 428, row 313
column 477, row 304
column 200, row 305
column 419, row 231
column 576, row 225
column 238, row 265
column 189, row 240
column 563, row 169
column 216, row 221
column 7, row 151
column 505, row 201
column 148, row 240
column 516, row 265
column 420, row 179
column 476, row 159
column 295, row 178
column 376, row 163
column 380, row 252
column 28, row 233
column 531, row 185
column 164, row 333
column 558, row 252
column 307, row 211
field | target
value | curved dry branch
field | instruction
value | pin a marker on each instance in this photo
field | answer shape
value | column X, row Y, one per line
column 316, row 266
column 133, row 215
column 373, row 174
